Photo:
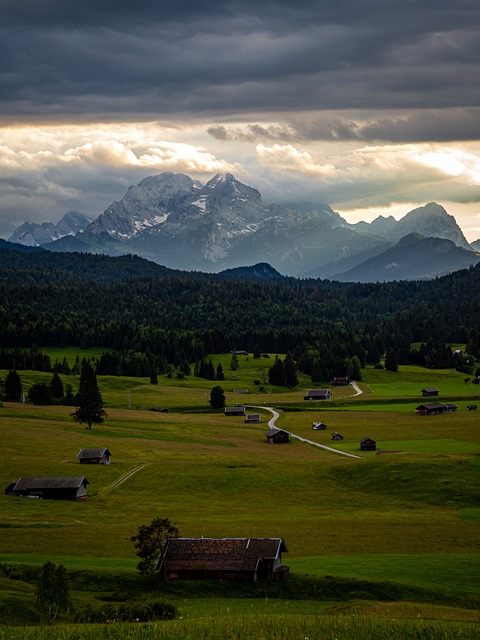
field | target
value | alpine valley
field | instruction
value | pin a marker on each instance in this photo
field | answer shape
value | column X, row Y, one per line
column 177, row 222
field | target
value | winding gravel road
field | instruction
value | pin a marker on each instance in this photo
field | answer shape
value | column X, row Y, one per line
column 276, row 415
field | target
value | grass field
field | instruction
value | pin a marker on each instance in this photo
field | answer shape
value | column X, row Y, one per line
column 411, row 517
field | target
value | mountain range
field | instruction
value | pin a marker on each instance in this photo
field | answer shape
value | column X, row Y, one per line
column 176, row 221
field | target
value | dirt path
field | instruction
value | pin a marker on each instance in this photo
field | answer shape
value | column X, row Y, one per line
column 126, row 476
column 356, row 388
column 272, row 425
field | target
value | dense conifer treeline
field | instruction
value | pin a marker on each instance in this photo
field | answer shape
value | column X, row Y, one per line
column 152, row 317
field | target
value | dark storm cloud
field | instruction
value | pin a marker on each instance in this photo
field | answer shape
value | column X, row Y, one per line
column 423, row 126
column 150, row 59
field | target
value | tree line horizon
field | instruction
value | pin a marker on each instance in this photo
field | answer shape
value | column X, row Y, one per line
column 171, row 322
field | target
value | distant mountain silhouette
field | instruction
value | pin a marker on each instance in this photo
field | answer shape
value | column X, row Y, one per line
column 262, row 271
column 412, row 258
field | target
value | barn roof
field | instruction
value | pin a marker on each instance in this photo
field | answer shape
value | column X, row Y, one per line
column 219, row 554
column 24, row 484
column 431, row 405
column 274, row 431
column 93, row 453
column 366, row 440
column 318, row 392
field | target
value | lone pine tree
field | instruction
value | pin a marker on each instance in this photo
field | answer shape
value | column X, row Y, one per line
column 89, row 399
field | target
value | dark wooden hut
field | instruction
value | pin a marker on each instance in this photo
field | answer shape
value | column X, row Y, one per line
column 223, row 558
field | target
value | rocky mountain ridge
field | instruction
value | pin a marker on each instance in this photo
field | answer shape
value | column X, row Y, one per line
column 32, row 234
column 176, row 221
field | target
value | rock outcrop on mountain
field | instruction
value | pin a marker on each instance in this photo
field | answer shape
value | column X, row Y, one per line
column 431, row 221
column 175, row 221
column 32, row 234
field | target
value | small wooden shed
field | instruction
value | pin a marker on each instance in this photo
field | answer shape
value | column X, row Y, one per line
column 94, row 456
column 472, row 407
column 277, row 436
column 318, row 394
column 430, row 409
column 253, row 418
column 367, row 444
column 318, row 426
column 336, row 436
column 234, row 411
column 450, row 406
column 341, row 381
column 429, row 392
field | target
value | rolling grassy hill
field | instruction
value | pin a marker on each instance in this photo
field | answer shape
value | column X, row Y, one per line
column 410, row 517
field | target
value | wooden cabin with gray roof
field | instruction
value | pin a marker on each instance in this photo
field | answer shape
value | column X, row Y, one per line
column 94, row 456
column 74, row 488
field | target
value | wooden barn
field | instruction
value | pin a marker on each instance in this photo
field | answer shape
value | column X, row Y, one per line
column 318, row 394
column 472, row 407
column 234, row 411
column 49, row 488
column 430, row 409
column 223, row 559
column 318, row 426
column 277, row 436
column 341, row 381
column 336, row 436
column 253, row 418
column 450, row 406
column 430, row 392
column 94, row 456
column 367, row 444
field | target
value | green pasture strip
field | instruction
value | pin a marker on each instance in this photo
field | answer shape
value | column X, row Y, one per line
column 432, row 445
column 470, row 514
column 189, row 608
column 71, row 353
column 255, row 627
column 448, row 573
column 457, row 574
column 71, row 562
column 447, row 445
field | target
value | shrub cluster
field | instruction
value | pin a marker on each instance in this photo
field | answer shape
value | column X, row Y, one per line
column 9, row 570
column 128, row 612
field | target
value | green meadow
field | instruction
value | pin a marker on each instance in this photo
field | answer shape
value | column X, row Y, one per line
column 377, row 544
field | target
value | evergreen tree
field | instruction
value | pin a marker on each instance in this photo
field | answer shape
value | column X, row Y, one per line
column 56, row 386
column 276, row 373
column 89, row 399
column 52, row 590
column 69, row 398
column 219, row 375
column 354, row 369
column 317, row 371
column 209, row 370
column 76, row 367
column 217, row 398
column 40, row 393
column 65, row 367
column 290, row 371
column 185, row 368
column 391, row 360
column 153, row 377
column 13, row 387
column 234, row 364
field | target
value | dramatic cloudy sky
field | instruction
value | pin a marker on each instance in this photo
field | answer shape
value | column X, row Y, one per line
column 372, row 106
